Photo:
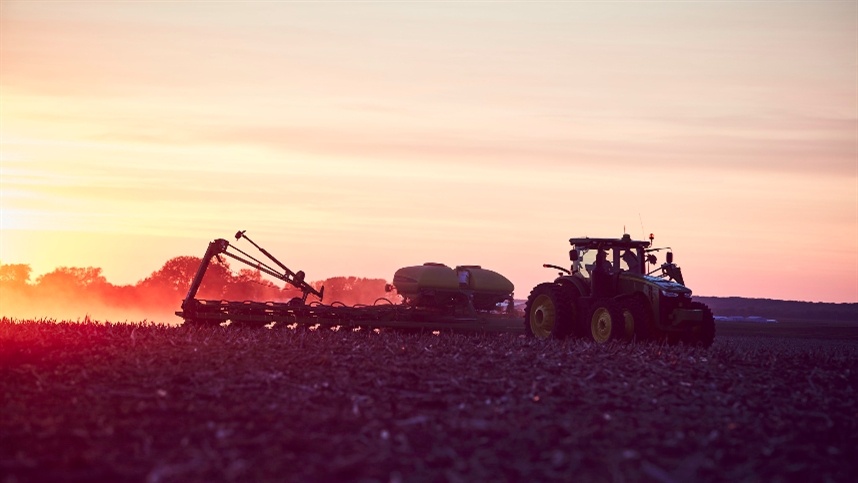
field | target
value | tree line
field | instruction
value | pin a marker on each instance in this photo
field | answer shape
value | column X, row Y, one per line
column 79, row 291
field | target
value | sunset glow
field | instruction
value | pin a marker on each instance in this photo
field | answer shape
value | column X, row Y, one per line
column 357, row 138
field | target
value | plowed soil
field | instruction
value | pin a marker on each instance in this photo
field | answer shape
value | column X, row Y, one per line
column 132, row 402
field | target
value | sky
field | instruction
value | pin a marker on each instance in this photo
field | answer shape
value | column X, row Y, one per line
column 355, row 138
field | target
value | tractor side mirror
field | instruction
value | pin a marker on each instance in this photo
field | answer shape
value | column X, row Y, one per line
column 573, row 255
column 669, row 258
column 651, row 259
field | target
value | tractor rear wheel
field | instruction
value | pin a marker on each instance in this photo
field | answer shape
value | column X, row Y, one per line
column 606, row 321
column 636, row 318
column 550, row 311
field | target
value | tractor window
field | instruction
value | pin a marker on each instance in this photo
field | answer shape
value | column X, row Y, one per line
column 587, row 259
column 630, row 261
column 617, row 259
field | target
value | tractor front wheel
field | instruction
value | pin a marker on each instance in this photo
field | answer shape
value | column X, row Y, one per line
column 607, row 322
column 703, row 334
column 550, row 311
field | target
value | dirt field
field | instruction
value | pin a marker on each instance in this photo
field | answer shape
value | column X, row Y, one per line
column 89, row 402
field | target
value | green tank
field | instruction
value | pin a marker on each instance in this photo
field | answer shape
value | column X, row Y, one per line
column 436, row 284
column 410, row 281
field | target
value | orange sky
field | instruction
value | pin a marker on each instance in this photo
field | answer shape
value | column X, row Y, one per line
column 356, row 138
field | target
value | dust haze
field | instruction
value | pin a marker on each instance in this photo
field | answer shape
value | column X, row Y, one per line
column 83, row 293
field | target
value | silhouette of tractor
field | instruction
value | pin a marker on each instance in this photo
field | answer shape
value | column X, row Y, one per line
column 611, row 295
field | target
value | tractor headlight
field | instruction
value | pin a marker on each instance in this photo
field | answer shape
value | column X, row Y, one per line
column 672, row 295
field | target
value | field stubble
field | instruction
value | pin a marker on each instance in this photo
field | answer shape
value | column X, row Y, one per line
column 156, row 403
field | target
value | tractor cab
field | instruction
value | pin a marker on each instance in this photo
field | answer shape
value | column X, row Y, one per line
column 611, row 255
column 620, row 255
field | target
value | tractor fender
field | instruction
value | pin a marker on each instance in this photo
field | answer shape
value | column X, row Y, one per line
column 580, row 287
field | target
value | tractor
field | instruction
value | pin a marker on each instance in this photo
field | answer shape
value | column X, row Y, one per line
column 610, row 294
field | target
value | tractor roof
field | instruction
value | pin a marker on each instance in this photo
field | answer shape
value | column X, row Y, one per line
column 605, row 243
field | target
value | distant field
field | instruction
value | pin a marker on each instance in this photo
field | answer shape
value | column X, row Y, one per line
column 93, row 402
column 793, row 329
